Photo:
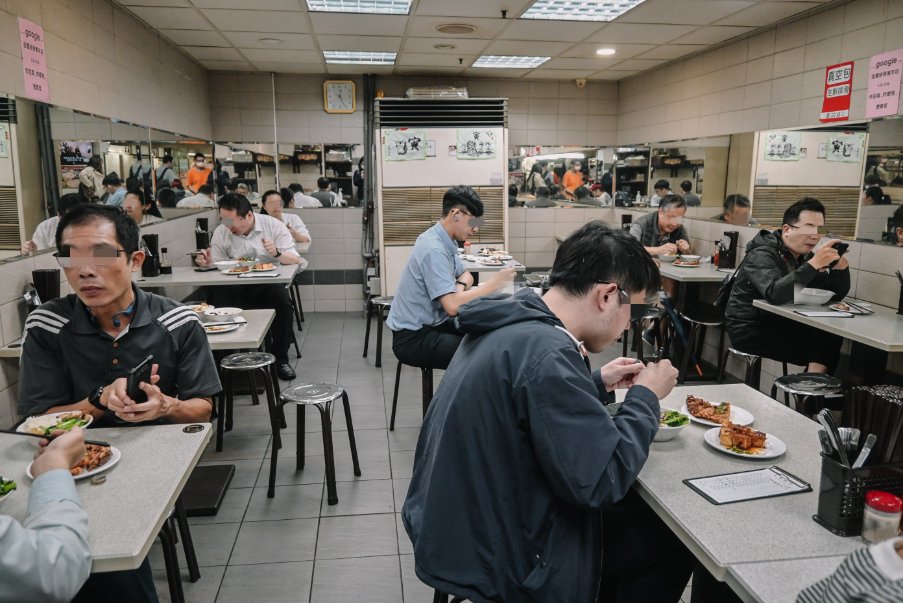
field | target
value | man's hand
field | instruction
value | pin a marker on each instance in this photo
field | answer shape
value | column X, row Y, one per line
column 65, row 450
column 683, row 246
column 28, row 247
column 824, row 256
column 204, row 258
column 842, row 264
column 660, row 377
column 620, row 373
column 501, row 278
column 667, row 249
column 119, row 402
column 270, row 246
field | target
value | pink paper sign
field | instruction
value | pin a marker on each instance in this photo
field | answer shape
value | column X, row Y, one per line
column 34, row 63
column 884, row 84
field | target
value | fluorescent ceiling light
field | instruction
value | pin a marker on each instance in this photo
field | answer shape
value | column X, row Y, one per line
column 347, row 57
column 509, row 62
column 381, row 7
column 578, row 10
column 606, row 52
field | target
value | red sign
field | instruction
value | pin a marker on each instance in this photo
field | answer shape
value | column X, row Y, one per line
column 838, row 89
column 34, row 63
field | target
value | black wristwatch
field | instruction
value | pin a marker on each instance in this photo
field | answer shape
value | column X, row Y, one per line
column 278, row 253
column 94, row 398
column 462, row 284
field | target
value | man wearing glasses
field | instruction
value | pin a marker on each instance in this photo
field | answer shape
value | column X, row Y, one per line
column 244, row 234
column 776, row 263
column 518, row 453
column 78, row 349
column 434, row 285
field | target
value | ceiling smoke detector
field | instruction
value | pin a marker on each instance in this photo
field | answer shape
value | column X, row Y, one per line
column 456, row 29
column 444, row 46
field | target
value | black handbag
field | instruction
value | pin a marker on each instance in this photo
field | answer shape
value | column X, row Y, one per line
column 727, row 285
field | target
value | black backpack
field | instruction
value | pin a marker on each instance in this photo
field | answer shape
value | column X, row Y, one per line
column 727, row 285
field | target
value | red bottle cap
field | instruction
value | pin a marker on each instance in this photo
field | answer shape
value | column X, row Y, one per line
column 883, row 501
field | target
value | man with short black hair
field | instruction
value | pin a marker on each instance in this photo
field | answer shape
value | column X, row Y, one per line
column 542, row 199
column 323, row 194
column 135, row 206
column 165, row 174
column 661, row 232
column 112, row 184
column 198, row 175
column 573, row 178
column 45, row 234
column 736, row 211
column 776, row 264
column 434, row 285
column 662, row 189
column 242, row 233
column 691, row 198
column 204, row 199
column 518, row 454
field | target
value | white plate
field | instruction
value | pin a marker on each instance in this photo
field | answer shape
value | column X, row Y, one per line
column 739, row 416
column 229, row 271
column 201, row 308
column 224, row 311
column 22, row 429
column 468, row 258
column 676, row 265
column 264, row 269
column 114, row 458
column 505, row 257
column 773, row 446
column 220, row 329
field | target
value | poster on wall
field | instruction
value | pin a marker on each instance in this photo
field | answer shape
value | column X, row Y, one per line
column 4, row 141
column 476, row 144
column 884, row 84
column 783, row 146
column 34, row 62
column 404, row 144
column 846, row 148
column 74, row 157
column 838, row 88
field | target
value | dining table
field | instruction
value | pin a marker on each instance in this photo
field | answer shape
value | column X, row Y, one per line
column 186, row 276
column 732, row 540
column 126, row 510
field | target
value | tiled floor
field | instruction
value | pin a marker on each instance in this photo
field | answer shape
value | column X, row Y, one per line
column 295, row 547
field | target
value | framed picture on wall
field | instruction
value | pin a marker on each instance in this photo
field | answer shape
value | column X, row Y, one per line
column 783, row 146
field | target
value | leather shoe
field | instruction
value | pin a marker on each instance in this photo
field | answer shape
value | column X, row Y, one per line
column 285, row 372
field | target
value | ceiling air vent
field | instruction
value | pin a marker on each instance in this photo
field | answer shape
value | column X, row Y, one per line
column 456, row 29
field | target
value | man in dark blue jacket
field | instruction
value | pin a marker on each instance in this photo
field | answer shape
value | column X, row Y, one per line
column 518, row 454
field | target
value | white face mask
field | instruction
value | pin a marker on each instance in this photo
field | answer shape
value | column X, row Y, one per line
column 199, row 163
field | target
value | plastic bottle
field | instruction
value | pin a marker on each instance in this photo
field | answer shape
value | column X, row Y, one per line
column 881, row 516
column 165, row 266
column 639, row 198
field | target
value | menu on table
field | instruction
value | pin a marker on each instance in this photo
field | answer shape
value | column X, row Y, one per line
column 748, row 485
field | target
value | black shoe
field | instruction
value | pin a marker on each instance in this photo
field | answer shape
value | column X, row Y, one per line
column 285, row 372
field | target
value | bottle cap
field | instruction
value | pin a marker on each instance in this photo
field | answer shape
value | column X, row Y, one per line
column 883, row 501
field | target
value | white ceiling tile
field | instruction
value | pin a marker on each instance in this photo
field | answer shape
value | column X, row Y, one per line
column 175, row 3
column 471, row 8
column 713, row 34
column 766, row 13
column 423, row 59
column 171, row 18
column 548, row 31
column 587, row 64
column 689, row 12
column 280, row 67
column 354, row 25
column 502, row 73
column 428, row 45
column 268, row 21
column 487, row 29
column 560, row 74
column 426, row 71
column 186, row 37
column 612, row 75
column 519, row 48
column 624, row 51
column 228, row 65
column 203, row 53
column 359, row 43
column 359, row 69
column 640, row 32
column 637, row 64
column 273, row 55
column 671, row 51
column 296, row 5
column 246, row 39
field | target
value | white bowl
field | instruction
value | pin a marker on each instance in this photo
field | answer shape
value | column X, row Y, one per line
column 226, row 264
column 814, row 297
column 667, row 258
column 223, row 312
column 690, row 258
column 666, row 433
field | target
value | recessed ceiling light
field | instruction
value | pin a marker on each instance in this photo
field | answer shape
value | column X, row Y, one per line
column 381, row 7
column 579, row 10
column 606, row 52
column 444, row 46
column 457, row 29
column 509, row 62
column 347, row 57
column 271, row 41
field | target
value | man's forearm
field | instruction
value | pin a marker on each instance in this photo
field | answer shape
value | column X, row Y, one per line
column 192, row 410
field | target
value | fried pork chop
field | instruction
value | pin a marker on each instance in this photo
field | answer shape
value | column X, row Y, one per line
column 737, row 436
column 701, row 409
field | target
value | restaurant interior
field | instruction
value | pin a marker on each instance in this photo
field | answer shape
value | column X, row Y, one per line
column 723, row 96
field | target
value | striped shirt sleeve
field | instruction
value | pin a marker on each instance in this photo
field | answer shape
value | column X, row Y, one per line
column 870, row 575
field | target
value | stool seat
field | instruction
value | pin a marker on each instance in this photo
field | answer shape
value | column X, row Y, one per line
column 377, row 305
column 745, row 355
column 247, row 361
column 809, row 384
column 382, row 300
column 312, row 393
column 703, row 317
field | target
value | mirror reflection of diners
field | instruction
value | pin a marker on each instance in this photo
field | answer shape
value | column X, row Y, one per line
column 882, row 185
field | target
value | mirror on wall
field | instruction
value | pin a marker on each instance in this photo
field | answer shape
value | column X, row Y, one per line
column 534, row 168
column 882, row 187
column 696, row 169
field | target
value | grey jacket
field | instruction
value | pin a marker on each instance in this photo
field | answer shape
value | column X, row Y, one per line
column 645, row 230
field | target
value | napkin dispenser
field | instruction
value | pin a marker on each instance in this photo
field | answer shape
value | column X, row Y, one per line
column 727, row 249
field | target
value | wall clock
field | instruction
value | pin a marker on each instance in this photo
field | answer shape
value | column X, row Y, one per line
column 338, row 96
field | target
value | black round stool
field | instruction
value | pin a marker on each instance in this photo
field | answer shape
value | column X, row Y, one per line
column 379, row 306
column 807, row 389
column 252, row 364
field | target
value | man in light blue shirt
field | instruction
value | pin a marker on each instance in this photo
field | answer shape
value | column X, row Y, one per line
column 113, row 186
column 434, row 285
column 47, row 558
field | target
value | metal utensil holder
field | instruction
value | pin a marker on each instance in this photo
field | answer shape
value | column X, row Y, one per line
column 842, row 491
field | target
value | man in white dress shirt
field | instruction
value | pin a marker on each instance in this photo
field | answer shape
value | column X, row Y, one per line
column 45, row 234
column 242, row 233
column 204, row 199
column 300, row 199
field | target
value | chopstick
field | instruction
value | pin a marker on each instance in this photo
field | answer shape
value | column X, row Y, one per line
column 43, row 437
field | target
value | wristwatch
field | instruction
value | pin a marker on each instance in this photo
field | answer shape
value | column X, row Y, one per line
column 462, row 284
column 94, row 398
column 278, row 253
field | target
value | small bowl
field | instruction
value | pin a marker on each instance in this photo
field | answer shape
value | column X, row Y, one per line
column 668, row 258
column 223, row 311
column 690, row 258
column 811, row 296
column 225, row 264
column 666, row 433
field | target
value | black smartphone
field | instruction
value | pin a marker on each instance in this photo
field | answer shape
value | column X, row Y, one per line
column 841, row 247
column 205, row 268
column 139, row 374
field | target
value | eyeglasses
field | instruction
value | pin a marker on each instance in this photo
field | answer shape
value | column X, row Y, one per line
column 623, row 296
column 472, row 220
column 100, row 256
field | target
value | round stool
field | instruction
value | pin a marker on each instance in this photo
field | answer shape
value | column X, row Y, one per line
column 699, row 319
column 805, row 388
column 753, row 374
column 251, row 363
column 377, row 305
column 320, row 395
column 426, row 388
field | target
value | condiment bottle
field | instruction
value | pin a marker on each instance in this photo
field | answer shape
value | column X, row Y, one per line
column 881, row 516
column 165, row 266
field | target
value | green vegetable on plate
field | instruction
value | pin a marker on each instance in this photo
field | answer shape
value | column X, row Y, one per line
column 6, row 486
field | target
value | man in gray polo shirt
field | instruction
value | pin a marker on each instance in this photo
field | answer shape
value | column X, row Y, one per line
column 434, row 285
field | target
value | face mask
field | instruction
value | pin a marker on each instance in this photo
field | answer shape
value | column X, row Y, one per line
column 199, row 163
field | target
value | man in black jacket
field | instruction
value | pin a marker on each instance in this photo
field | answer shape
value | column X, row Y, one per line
column 776, row 264
column 518, row 453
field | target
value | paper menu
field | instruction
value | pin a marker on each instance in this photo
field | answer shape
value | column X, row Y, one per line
column 748, row 485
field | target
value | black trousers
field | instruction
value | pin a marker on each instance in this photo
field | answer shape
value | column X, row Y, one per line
column 642, row 559
column 261, row 297
column 429, row 347
column 789, row 341
column 132, row 586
